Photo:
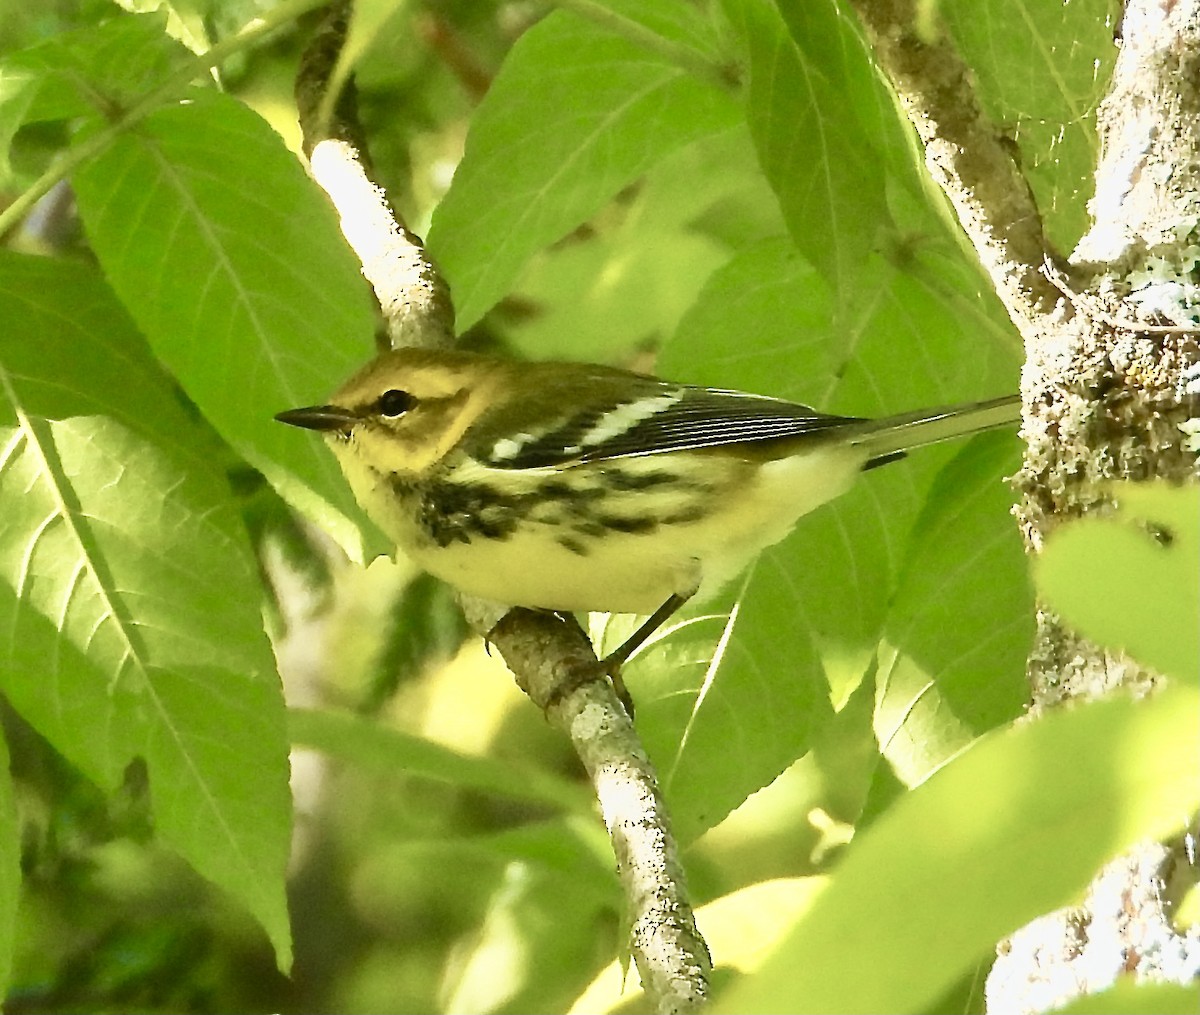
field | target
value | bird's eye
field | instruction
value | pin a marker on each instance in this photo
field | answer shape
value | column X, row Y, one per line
column 395, row 402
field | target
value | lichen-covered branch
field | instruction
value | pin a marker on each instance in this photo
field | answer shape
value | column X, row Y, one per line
column 557, row 668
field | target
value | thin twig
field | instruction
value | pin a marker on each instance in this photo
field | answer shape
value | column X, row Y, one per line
column 1087, row 306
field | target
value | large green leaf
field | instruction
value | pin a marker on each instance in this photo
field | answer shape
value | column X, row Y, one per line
column 960, row 623
column 1013, row 828
column 669, row 22
column 129, row 592
column 721, row 709
column 576, row 114
column 230, row 260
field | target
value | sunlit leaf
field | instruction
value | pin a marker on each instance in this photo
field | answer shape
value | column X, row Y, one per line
column 1011, row 829
column 960, row 623
column 230, row 260
column 741, row 929
column 128, row 589
column 1130, row 580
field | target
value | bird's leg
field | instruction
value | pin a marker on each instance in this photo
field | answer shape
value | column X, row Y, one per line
column 612, row 663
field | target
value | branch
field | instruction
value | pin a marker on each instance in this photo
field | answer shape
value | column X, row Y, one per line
column 412, row 294
column 551, row 658
column 555, row 665
column 966, row 155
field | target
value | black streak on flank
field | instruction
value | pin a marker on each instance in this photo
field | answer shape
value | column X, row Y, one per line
column 456, row 513
column 630, row 525
column 574, row 545
column 449, row 512
column 622, row 481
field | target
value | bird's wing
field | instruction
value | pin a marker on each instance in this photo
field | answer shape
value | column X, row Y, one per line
column 659, row 418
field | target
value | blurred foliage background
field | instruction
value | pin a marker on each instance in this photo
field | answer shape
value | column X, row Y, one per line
column 446, row 853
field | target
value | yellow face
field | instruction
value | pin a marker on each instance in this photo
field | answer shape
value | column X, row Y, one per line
column 405, row 412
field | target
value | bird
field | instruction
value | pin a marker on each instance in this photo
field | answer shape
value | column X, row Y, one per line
column 575, row 487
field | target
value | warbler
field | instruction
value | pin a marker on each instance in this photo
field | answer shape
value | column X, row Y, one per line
column 574, row 487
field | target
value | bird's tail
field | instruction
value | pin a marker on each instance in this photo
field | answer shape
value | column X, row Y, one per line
column 890, row 437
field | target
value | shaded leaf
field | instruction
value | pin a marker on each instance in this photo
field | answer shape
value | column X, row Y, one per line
column 1041, row 70
column 826, row 174
column 371, row 745
column 10, row 868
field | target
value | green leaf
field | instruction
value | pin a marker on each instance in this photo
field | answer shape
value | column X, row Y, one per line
column 94, row 70
column 828, row 177
column 18, row 89
column 230, row 260
column 1129, row 581
column 740, row 929
column 1011, row 829
column 10, row 868
column 670, row 21
column 502, row 965
column 129, row 590
column 841, row 65
column 1065, row 54
column 371, row 745
column 97, row 69
column 719, row 711
column 960, row 623
column 627, row 280
column 575, row 115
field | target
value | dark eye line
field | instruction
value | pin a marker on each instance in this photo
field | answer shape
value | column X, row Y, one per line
column 395, row 402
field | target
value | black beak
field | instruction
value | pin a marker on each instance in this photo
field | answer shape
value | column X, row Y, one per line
column 319, row 417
